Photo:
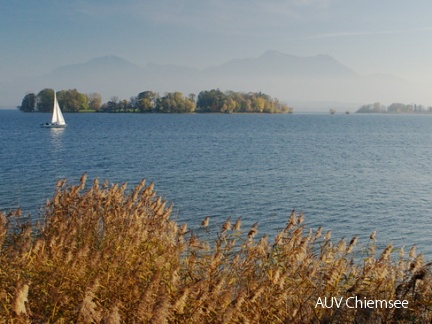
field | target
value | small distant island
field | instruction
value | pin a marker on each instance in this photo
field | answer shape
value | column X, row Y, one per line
column 395, row 108
column 211, row 101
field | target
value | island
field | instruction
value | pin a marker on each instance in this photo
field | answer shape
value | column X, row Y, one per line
column 394, row 108
column 207, row 101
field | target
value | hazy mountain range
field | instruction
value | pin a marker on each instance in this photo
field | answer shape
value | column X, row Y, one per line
column 317, row 82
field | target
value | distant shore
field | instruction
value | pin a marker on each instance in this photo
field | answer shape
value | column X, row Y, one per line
column 394, row 108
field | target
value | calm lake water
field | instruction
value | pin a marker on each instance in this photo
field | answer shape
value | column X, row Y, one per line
column 352, row 174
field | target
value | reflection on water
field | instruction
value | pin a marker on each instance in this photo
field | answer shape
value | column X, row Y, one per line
column 57, row 153
column 56, row 135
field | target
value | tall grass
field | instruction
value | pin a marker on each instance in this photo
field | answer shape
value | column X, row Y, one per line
column 107, row 255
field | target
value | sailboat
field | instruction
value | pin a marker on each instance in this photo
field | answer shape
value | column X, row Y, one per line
column 57, row 119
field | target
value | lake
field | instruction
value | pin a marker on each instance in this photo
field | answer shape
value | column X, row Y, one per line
column 351, row 174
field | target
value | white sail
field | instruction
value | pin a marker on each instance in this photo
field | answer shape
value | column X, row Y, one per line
column 57, row 119
column 57, row 116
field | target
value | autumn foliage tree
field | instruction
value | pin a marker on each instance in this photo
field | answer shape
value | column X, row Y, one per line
column 94, row 101
column 238, row 102
column 174, row 102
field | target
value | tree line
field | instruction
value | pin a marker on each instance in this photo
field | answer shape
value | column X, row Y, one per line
column 239, row 102
column 395, row 107
column 212, row 101
column 150, row 101
column 69, row 101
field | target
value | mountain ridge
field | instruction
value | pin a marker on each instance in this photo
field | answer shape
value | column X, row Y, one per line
column 277, row 63
column 319, row 78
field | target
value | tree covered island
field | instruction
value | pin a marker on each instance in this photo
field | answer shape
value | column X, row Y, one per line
column 208, row 101
column 394, row 108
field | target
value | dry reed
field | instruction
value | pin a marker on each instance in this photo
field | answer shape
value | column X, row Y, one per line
column 105, row 254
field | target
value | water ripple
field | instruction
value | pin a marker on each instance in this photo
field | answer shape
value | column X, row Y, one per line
column 351, row 174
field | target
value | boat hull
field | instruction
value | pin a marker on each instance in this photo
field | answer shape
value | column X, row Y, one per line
column 48, row 125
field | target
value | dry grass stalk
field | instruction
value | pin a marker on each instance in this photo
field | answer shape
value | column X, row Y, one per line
column 106, row 254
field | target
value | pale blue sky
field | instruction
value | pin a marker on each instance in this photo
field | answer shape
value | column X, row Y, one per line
column 370, row 36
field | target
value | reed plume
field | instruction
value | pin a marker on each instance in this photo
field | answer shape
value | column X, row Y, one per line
column 106, row 254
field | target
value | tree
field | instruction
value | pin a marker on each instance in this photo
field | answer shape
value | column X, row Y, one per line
column 28, row 103
column 124, row 105
column 259, row 104
column 189, row 105
column 45, row 100
column 378, row 107
column 94, row 101
column 400, row 108
column 210, row 101
column 174, row 102
column 146, row 101
column 72, row 100
column 110, row 106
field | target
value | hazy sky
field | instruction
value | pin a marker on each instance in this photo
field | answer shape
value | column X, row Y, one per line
column 370, row 36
